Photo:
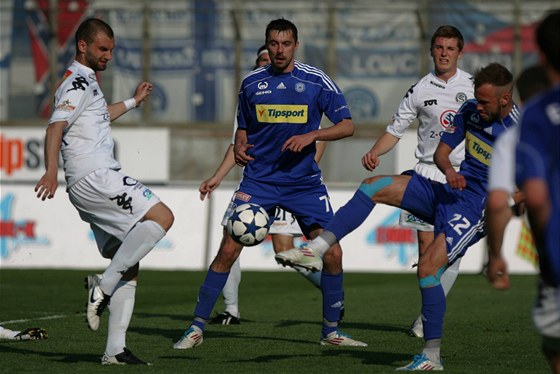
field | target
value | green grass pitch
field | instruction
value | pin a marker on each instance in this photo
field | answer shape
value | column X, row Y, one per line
column 485, row 331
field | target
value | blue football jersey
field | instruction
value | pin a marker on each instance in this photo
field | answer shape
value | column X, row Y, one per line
column 274, row 107
column 479, row 139
column 538, row 156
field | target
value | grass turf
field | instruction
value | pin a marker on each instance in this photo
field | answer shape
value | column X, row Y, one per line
column 485, row 331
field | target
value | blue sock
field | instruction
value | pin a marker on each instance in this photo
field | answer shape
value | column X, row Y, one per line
column 331, row 287
column 207, row 296
column 433, row 310
column 351, row 215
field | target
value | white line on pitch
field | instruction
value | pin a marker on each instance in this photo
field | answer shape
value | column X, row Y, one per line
column 34, row 319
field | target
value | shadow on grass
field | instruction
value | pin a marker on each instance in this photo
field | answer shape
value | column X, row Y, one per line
column 53, row 356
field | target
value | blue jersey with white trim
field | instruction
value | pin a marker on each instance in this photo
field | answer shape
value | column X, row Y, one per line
column 274, row 107
column 538, row 157
column 479, row 139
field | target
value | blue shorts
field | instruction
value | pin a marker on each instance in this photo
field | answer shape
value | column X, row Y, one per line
column 310, row 203
column 457, row 214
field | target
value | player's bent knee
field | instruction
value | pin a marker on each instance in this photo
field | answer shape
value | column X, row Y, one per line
column 161, row 214
column 430, row 280
column 371, row 186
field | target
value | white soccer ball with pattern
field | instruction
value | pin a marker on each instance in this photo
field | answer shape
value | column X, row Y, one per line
column 248, row 224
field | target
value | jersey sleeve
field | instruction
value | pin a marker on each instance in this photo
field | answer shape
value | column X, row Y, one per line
column 531, row 158
column 71, row 99
column 243, row 112
column 405, row 115
column 333, row 103
column 501, row 174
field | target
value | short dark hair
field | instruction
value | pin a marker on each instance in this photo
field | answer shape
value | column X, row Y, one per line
column 495, row 74
column 531, row 82
column 448, row 31
column 548, row 38
column 91, row 27
column 281, row 25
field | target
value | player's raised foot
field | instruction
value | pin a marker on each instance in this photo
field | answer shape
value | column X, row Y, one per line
column 97, row 301
column 417, row 328
column 421, row 363
column 225, row 318
column 190, row 339
column 340, row 338
column 124, row 358
column 303, row 257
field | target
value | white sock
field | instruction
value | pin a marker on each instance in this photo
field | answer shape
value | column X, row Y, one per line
column 319, row 245
column 231, row 289
column 7, row 333
column 449, row 276
column 120, row 313
column 137, row 244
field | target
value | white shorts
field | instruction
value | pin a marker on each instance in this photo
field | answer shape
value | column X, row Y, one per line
column 284, row 223
column 409, row 220
column 112, row 203
column 546, row 312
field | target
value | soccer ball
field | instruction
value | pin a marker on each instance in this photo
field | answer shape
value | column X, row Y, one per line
column 248, row 224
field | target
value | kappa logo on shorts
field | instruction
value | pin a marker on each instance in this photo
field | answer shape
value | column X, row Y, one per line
column 242, row 196
column 123, row 202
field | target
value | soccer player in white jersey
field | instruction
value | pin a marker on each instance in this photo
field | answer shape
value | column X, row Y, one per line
column 283, row 230
column 127, row 218
column 433, row 100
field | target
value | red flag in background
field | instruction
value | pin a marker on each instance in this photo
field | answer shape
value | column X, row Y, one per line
column 69, row 15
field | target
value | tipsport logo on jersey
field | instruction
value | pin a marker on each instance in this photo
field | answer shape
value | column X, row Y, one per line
column 281, row 113
column 15, row 233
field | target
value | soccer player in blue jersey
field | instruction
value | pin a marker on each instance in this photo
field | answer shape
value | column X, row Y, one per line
column 279, row 114
column 538, row 175
column 456, row 209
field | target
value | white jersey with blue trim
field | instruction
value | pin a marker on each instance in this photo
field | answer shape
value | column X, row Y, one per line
column 87, row 144
column 434, row 102
column 274, row 107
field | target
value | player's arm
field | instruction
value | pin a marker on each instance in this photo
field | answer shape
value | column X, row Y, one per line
column 141, row 94
column 498, row 216
column 320, row 150
column 240, row 148
column 539, row 207
column 210, row 184
column 443, row 162
column 48, row 184
column 342, row 129
column 383, row 145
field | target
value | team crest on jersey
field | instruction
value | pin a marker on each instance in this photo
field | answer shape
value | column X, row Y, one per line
column 300, row 87
column 242, row 196
column 461, row 97
column 446, row 119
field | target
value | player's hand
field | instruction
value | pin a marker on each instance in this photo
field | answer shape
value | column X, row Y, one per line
column 32, row 333
column 241, row 156
column 207, row 186
column 47, row 186
column 455, row 180
column 370, row 161
column 143, row 91
column 297, row 143
column 496, row 273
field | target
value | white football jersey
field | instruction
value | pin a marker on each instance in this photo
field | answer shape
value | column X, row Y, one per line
column 434, row 102
column 87, row 144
